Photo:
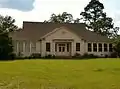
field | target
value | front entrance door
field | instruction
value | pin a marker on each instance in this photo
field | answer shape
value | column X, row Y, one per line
column 63, row 49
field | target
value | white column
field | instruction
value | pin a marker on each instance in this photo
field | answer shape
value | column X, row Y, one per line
column 24, row 47
column 43, row 48
column 40, row 45
column 108, row 47
column 73, row 49
column 30, row 47
column 53, row 48
column 37, row 47
column 91, row 47
column 102, row 47
column 17, row 50
column 84, row 47
column 97, row 47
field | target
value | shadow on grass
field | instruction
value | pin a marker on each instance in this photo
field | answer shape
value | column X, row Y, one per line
column 60, row 59
column 99, row 70
column 116, row 69
column 7, row 60
column 51, row 59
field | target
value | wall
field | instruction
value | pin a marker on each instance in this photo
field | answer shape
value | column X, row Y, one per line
column 62, row 34
column 27, row 47
column 98, row 53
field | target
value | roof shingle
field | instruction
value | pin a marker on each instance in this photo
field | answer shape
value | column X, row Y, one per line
column 35, row 30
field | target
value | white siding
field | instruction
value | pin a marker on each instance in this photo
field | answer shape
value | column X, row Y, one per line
column 26, row 47
column 38, row 47
column 62, row 34
column 29, row 47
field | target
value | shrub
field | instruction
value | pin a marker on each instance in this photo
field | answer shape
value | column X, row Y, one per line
column 13, row 56
column 114, row 55
column 19, row 55
column 106, row 56
column 89, row 56
column 49, row 56
column 35, row 56
column 77, row 55
column 86, row 55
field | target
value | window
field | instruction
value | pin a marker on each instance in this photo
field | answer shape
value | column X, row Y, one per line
column 48, row 47
column 33, row 46
column 20, row 46
column 105, row 48
column 77, row 46
column 15, row 45
column 89, row 47
column 68, row 47
column 63, row 50
column 110, row 48
column 100, row 47
column 94, row 47
column 27, row 46
column 56, row 47
column 60, row 49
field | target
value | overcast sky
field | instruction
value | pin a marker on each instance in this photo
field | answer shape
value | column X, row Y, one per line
column 40, row 10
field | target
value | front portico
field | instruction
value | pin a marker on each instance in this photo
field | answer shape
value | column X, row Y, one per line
column 63, row 47
column 62, row 42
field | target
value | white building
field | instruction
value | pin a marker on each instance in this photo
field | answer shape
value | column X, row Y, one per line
column 57, row 39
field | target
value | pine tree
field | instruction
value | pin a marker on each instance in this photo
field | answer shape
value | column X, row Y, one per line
column 6, row 46
column 97, row 20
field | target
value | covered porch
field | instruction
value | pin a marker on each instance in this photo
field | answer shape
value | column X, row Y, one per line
column 63, row 47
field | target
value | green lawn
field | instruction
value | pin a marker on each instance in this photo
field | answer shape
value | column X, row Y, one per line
column 60, row 74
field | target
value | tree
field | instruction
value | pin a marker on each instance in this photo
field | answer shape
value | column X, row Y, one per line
column 97, row 20
column 61, row 18
column 6, row 47
column 116, row 47
column 7, row 24
column 115, row 32
column 77, row 20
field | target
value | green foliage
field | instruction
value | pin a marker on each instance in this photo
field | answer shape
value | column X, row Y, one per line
column 116, row 42
column 114, row 55
column 89, row 56
column 35, row 55
column 6, row 47
column 49, row 56
column 7, row 24
column 94, row 17
column 77, row 20
column 85, row 56
column 77, row 55
column 61, row 18
column 97, row 20
column 115, row 32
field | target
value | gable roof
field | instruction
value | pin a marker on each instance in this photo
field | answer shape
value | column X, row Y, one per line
column 36, row 30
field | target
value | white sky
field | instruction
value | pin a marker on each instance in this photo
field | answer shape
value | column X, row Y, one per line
column 44, row 8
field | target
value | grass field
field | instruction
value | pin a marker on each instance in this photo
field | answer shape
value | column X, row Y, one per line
column 60, row 74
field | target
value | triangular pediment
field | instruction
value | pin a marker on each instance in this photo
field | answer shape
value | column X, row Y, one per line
column 60, row 30
column 61, row 33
